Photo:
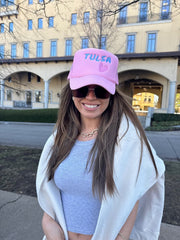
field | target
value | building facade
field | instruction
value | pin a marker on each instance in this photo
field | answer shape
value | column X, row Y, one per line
column 38, row 39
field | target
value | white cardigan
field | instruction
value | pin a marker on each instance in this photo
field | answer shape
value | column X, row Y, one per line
column 131, row 184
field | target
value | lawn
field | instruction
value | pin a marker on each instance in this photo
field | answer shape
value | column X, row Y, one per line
column 18, row 168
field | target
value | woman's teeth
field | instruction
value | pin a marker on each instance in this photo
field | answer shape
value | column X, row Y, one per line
column 90, row 106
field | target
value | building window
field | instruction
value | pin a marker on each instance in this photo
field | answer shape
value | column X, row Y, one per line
column 3, row 3
column 13, row 50
column 10, row 2
column 51, row 22
column 85, row 43
column 9, row 95
column 37, row 96
column 39, row 48
column 68, row 47
column 143, row 12
column 103, row 43
column 1, row 51
column 2, row 28
column 99, row 16
column 53, row 52
column 122, row 15
column 165, row 9
column 151, row 44
column 29, row 77
column 38, row 79
column 73, row 18
column 26, row 50
column 30, row 24
column 30, row 2
column 130, row 43
column 11, row 26
column 40, row 23
column 86, row 18
column 41, row 1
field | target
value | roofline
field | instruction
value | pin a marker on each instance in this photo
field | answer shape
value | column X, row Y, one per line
column 129, row 56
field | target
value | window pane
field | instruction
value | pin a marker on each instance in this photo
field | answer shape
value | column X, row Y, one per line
column 53, row 48
column 26, row 50
column 143, row 12
column 11, row 27
column 37, row 96
column 130, row 43
column 103, row 43
column 151, row 42
column 3, row 3
column 99, row 15
column 13, row 50
column 68, row 47
column 10, row 2
column 9, row 95
column 51, row 22
column 30, row 2
column 2, row 28
column 30, row 24
column 40, row 23
column 1, row 51
column 122, row 15
column 39, row 49
column 74, row 18
column 85, row 43
column 86, row 17
column 165, row 9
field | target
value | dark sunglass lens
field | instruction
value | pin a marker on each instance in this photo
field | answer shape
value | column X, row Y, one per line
column 80, row 92
column 101, row 93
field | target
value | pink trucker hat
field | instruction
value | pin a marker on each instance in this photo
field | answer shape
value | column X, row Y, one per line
column 94, row 66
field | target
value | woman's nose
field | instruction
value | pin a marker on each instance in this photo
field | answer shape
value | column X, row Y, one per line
column 91, row 94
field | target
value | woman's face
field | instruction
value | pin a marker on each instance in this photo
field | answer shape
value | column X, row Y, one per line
column 91, row 107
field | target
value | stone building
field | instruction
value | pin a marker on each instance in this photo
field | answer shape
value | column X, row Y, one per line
column 38, row 39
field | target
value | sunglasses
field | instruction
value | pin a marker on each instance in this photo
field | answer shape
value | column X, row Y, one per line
column 98, row 91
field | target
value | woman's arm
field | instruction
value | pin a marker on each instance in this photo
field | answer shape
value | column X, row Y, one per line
column 51, row 228
column 126, row 230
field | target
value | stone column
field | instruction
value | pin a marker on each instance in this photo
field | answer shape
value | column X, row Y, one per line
column 172, row 96
column 46, row 94
column 2, row 92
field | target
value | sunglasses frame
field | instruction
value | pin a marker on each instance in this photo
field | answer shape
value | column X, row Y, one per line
column 99, row 92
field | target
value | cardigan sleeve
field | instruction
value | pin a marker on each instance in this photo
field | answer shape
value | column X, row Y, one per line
column 48, row 194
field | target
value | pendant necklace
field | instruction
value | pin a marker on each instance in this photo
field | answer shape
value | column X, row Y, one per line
column 90, row 134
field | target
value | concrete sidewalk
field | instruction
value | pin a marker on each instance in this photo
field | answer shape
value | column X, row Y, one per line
column 20, row 219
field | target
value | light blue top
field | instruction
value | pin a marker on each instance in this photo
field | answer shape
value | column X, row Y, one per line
column 81, row 208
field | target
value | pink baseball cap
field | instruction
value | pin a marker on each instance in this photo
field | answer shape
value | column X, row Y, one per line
column 94, row 66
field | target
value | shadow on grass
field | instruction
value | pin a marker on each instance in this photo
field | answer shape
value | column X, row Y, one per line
column 18, row 168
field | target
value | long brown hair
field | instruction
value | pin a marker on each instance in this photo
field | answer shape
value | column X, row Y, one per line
column 101, row 157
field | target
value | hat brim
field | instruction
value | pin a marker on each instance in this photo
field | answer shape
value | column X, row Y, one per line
column 79, row 82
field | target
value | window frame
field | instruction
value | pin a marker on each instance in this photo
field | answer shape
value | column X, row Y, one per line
column 26, row 50
column 151, row 42
column 86, row 17
column 53, row 48
column 143, row 11
column 2, row 51
column 85, row 43
column 68, row 47
column 30, row 24
column 2, row 28
column 39, row 49
column 166, row 15
column 122, row 19
column 73, row 18
column 40, row 23
column 11, row 27
column 51, row 22
column 13, row 50
column 130, row 47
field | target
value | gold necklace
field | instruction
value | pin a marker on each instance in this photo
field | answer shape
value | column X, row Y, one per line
column 90, row 134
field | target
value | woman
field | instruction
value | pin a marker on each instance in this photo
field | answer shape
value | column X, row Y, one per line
column 98, row 177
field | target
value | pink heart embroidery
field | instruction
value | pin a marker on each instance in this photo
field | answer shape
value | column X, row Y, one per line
column 103, row 67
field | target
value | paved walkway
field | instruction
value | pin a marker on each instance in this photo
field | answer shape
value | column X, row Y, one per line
column 20, row 215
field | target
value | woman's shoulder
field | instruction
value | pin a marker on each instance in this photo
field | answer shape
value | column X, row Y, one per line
column 127, row 129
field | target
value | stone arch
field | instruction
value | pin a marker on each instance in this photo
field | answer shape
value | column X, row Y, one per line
column 136, row 81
